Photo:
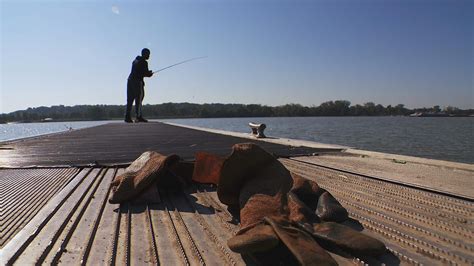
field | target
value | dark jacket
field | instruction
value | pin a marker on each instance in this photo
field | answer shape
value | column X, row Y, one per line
column 139, row 69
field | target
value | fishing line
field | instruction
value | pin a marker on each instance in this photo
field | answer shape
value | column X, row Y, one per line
column 182, row 62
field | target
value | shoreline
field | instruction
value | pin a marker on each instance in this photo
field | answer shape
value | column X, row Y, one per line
column 202, row 117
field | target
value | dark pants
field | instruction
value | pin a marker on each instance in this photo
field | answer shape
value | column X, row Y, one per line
column 135, row 93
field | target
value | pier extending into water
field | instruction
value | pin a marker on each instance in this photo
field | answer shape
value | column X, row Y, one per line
column 54, row 191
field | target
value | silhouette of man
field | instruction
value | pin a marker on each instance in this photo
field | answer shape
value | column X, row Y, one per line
column 136, row 86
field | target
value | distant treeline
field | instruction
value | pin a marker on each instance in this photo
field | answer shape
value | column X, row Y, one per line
column 192, row 110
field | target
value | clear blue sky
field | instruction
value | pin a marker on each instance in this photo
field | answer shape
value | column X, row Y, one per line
column 418, row 53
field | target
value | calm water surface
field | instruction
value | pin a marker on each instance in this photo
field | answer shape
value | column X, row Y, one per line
column 19, row 131
column 438, row 138
column 441, row 138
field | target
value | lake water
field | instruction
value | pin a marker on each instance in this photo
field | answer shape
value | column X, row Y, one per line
column 438, row 138
column 444, row 138
column 18, row 131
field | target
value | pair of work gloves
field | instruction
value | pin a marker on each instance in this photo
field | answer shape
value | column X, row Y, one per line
column 284, row 218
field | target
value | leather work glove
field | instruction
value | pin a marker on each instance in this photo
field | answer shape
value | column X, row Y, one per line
column 283, row 217
column 151, row 167
column 316, row 211
column 317, row 199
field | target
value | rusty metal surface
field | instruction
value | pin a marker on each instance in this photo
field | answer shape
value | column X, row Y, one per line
column 80, row 227
column 191, row 227
column 418, row 226
column 119, row 143
column 23, row 192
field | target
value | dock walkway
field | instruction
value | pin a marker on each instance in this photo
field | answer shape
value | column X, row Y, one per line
column 54, row 209
column 120, row 143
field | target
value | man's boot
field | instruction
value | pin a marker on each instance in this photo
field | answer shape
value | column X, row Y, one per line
column 141, row 119
column 128, row 119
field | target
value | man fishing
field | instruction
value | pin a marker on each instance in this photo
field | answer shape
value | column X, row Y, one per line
column 136, row 86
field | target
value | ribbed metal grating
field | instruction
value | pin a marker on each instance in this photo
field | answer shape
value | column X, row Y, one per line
column 23, row 192
column 191, row 227
column 418, row 226
column 79, row 226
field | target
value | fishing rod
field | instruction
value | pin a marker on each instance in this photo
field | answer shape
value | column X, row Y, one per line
column 182, row 62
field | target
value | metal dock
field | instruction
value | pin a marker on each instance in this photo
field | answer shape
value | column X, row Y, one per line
column 54, row 208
